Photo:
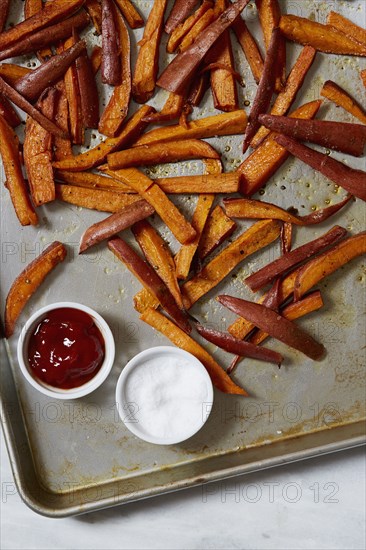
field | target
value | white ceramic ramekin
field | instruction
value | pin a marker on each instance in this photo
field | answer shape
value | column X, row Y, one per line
column 72, row 393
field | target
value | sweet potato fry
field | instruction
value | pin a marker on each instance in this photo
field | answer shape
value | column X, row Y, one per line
column 133, row 127
column 249, row 47
column 54, row 11
column 96, row 59
column 45, row 37
column 260, row 210
column 33, row 84
column 158, row 255
column 218, row 228
column 171, row 110
column 130, row 13
column 111, row 62
column 147, row 64
column 198, row 89
column 269, row 156
column 350, row 179
column 61, row 147
column 94, row 9
column 185, row 26
column 11, row 72
column 287, row 96
column 116, row 111
column 288, row 261
column 30, row 9
column 180, row 11
column 37, row 152
column 173, row 151
column 217, row 125
column 256, row 237
column 180, row 71
column 218, row 376
column 92, row 181
column 269, row 13
column 340, row 136
column 15, row 183
column 322, row 37
column 74, row 100
column 150, row 280
column 23, row 104
column 200, row 25
column 115, row 223
column 104, row 200
column 4, row 9
column 8, row 112
column 346, row 26
column 26, row 284
column 89, row 97
column 363, row 77
column 213, row 183
column 169, row 213
column 265, row 89
column 340, row 97
column 275, row 324
column 325, row 264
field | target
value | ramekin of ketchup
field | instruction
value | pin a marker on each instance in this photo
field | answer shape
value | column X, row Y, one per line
column 66, row 350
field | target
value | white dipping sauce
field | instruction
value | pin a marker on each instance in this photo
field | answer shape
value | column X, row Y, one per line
column 168, row 395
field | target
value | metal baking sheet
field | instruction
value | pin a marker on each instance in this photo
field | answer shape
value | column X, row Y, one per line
column 76, row 456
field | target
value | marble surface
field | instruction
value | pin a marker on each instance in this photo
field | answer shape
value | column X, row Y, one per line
column 314, row 504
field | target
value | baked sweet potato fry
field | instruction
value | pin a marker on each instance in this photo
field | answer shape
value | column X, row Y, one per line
column 157, row 253
column 218, row 125
column 180, row 11
column 104, row 200
column 73, row 98
column 269, row 13
column 212, row 183
column 111, row 62
column 218, row 376
column 26, row 284
column 8, row 112
column 199, row 26
column 181, row 70
column 115, row 223
column 256, row 169
column 198, row 89
column 94, row 9
column 363, row 77
column 322, row 37
column 286, row 262
column 340, row 97
column 171, row 110
column 15, row 183
column 287, row 96
column 96, row 59
column 325, row 264
column 346, row 26
column 217, row 229
column 89, row 97
column 340, row 136
column 11, row 72
column 116, row 111
column 150, row 280
column 147, row 64
column 130, row 13
column 249, row 47
column 30, row 9
column 132, row 128
column 4, row 9
column 260, row 210
column 54, row 11
column 169, row 213
column 37, row 152
column 350, row 179
column 256, row 237
column 92, row 181
column 173, row 151
column 61, row 147
column 185, row 26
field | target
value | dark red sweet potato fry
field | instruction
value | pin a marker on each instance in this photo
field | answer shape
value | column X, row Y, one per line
column 269, row 16
column 225, row 341
column 340, row 136
column 288, row 261
column 181, row 70
column 23, row 104
column 115, row 223
column 150, row 280
column 264, row 91
column 130, row 13
column 8, row 112
column 94, row 9
column 4, row 9
column 275, row 325
column 352, row 180
column 89, row 97
column 111, row 62
column 179, row 13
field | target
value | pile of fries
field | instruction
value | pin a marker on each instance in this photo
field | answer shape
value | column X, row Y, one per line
column 61, row 100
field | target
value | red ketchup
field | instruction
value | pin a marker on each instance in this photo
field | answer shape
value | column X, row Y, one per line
column 66, row 348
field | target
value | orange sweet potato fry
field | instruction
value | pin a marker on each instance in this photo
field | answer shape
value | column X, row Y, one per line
column 249, row 47
column 104, row 200
column 116, row 111
column 26, row 284
column 217, row 229
column 183, row 28
column 218, row 376
column 31, row 7
column 152, row 193
column 211, row 183
column 171, row 110
column 340, row 97
column 269, row 156
column 320, row 267
column 206, row 18
column 73, row 97
column 147, row 64
column 8, row 112
column 130, row 13
column 96, row 59
column 132, row 128
column 92, row 181
column 287, row 96
column 11, row 72
column 322, row 37
column 172, row 151
column 256, row 237
column 346, row 26
column 94, row 9
column 269, row 13
column 37, row 152
column 363, row 77
column 62, row 146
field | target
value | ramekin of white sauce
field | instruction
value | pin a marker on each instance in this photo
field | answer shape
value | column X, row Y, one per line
column 164, row 395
